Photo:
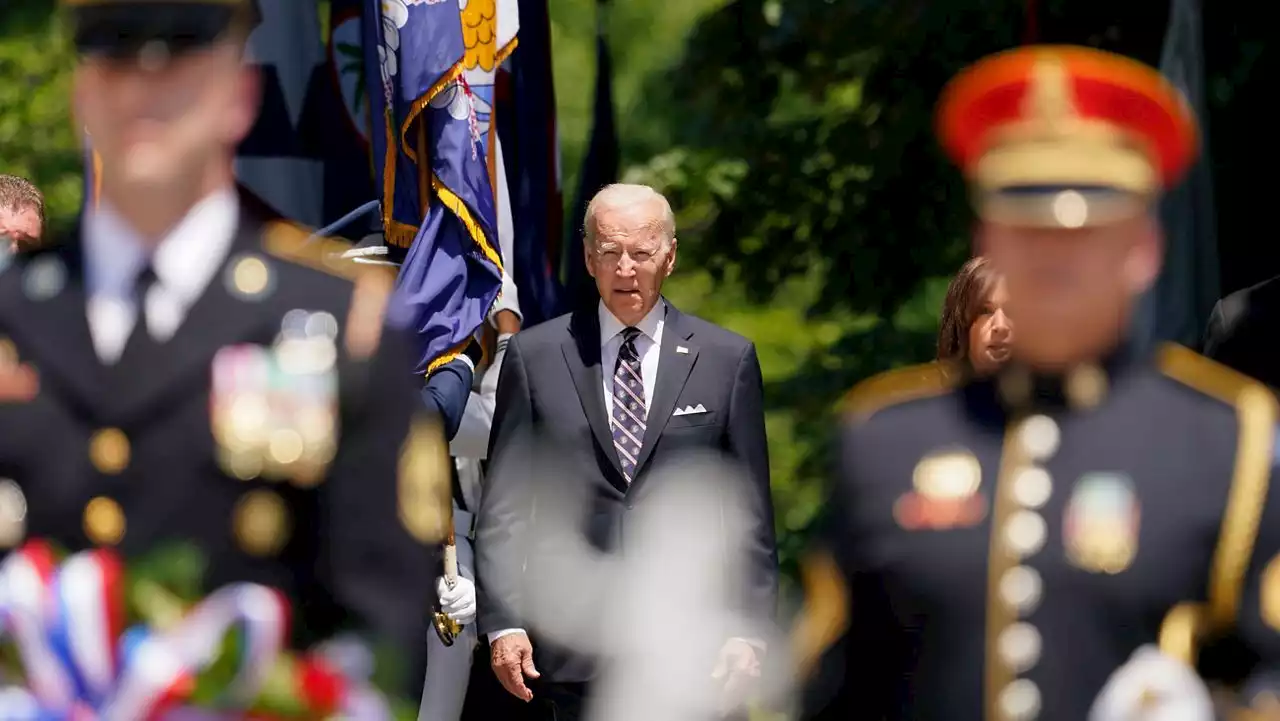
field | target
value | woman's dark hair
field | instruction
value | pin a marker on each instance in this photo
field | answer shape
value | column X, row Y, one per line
column 965, row 297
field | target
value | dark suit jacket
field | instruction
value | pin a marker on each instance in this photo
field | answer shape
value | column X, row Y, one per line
column 1242, row 332
column 551, row 387
column 345, row 559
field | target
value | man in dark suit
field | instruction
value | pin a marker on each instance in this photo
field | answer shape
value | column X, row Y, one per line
column 616, row 387
column 1241, row 332
column 178, row 371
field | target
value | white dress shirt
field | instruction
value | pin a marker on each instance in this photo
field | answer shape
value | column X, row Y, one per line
column 184, row 261
column 648, row 347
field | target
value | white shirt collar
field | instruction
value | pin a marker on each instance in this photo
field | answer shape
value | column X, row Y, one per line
column 650, row 325
column 185, row 260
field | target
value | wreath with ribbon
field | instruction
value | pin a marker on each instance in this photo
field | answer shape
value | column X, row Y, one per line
column 72, row 654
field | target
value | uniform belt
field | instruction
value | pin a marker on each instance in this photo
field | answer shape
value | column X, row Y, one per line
column 464, row 523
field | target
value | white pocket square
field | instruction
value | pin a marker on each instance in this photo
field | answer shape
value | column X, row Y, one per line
column 689, row 410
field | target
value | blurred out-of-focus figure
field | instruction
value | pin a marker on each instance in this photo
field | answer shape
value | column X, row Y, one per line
column 191, row 374
column 975, row 327
column 1002, row 547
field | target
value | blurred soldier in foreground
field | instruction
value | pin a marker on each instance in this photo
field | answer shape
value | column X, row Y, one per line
column 178, row 371
column 1009, row 542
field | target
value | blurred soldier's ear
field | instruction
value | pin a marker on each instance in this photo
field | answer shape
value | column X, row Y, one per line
column 1146, row 255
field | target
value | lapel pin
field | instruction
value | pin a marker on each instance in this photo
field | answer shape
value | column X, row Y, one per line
column 681, row 349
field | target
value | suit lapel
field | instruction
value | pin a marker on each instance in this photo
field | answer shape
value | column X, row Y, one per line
column 676, row 357
column 149, row 371
column 582, row 354
column 49, row 320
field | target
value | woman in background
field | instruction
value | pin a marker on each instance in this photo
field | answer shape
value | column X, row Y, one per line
column 974, row 325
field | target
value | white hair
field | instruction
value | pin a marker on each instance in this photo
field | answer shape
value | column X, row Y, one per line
column 620, row 195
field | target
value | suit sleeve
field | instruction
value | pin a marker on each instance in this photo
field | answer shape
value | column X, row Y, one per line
column 379, row 574
column 747, row 442
column 505, row 501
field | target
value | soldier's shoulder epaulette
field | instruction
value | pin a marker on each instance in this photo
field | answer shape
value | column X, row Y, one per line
column 1256, row 412
column 1209, row 377
column 295, row 244
column 898, row 386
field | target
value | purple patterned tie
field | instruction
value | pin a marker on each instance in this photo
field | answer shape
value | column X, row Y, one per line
column 628, row 404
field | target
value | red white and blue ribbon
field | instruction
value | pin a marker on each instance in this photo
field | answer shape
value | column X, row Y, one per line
column 27, row 608
column 163, row 663
column 65, row 622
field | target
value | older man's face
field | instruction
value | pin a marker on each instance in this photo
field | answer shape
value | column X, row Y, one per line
column 630, row 258
column 20, row 227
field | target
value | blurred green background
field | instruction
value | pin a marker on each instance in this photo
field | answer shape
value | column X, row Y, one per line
column 816, row 214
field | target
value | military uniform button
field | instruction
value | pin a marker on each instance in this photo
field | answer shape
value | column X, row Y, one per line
column 1020, row 701
column 109, row 451
column 104, row 522
column 1025, row 533
column 1019, row 646
column 1039, row 437
column 1020, row 589
column 261, row 523
column 1086, row 386
column 13, row 514
column 250, row 277
column 1032, row 487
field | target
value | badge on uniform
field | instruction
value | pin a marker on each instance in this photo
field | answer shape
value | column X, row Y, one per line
column 274, row 409
column 1100, row 528
column 945, row 493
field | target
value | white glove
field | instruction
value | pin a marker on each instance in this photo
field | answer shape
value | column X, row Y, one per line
column 459, row 602
column 1153, row 687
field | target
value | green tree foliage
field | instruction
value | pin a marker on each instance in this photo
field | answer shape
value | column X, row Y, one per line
column 38, row 139
column 796, row 141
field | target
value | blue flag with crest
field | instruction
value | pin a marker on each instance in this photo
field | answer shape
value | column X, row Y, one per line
column 431, row 165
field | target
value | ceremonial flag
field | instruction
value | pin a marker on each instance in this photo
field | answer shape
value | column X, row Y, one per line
column 437, row 196
column 337, row 121
column 489, row 32
column 276, row 163
column 599, row 168
column 526, row 106
column 1178, row 307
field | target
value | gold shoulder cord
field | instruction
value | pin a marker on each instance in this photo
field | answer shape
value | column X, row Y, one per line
column 294, row 243
column 825, row 615
column 898, row 386
column 1256, row 413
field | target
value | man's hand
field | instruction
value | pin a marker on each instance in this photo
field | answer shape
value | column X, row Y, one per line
column 459, row 602
column 737, row 668
column 511, row 658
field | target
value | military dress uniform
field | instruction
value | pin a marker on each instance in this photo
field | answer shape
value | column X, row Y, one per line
column 999, row 547
column 275, row 425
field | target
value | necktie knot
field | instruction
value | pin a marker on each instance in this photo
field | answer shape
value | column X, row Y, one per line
column 144, row 281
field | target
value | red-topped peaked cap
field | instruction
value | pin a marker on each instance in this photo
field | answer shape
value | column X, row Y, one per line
column 1048, row 119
